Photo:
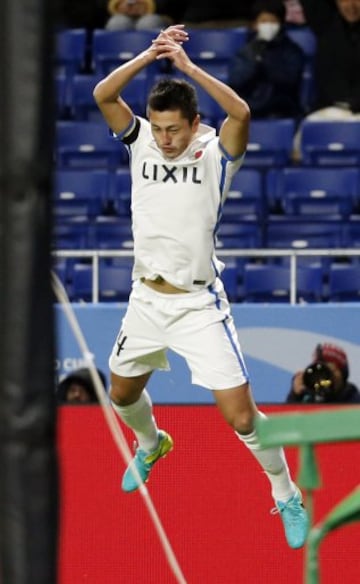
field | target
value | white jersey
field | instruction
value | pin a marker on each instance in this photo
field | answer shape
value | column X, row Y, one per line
column 176, row 207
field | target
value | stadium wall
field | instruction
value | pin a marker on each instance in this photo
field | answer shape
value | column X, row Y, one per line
column 277, row 340
column 212, row 498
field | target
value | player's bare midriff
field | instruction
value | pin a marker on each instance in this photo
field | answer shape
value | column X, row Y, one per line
column 161, row 285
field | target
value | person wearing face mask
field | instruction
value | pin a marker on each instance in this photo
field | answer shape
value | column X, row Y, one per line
column 267, row 71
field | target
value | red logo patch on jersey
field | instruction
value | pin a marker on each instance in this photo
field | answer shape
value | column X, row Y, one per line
column 198, row 154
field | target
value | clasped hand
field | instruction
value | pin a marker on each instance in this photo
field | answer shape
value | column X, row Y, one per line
column 168, row 45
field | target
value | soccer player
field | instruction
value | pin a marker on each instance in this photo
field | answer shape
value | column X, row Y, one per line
column 181, row 172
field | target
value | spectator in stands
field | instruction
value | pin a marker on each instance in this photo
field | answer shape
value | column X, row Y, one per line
column 336, row 24
column 294, row 12
column 78, row 388
column 325, row 380
column 267, row 71
column 135, row 14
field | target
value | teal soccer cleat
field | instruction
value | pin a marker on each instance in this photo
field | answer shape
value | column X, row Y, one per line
column 295, row 520
column 144, row 461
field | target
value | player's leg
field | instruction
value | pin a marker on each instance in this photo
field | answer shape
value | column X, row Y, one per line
column 239, row 410
column 133, row 405
column 208, row 340
column 135, row 354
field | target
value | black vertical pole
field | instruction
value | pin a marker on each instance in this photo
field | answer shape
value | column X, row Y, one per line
column 28, row 467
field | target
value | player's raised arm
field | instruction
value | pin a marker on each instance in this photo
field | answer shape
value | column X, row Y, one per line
column 107, row 92
column 234, row 130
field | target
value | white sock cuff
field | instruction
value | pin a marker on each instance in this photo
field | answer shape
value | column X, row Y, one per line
column 251, row 440
column 144, row 399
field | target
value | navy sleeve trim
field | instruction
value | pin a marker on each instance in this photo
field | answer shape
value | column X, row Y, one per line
column 131, row 137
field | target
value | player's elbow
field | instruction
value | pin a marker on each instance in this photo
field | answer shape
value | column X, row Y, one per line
column 99, row 93
column 243, row 112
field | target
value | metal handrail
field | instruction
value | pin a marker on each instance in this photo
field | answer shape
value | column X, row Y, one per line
column 294, row 254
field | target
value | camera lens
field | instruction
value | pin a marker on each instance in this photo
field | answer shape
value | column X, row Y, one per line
column 318, row 379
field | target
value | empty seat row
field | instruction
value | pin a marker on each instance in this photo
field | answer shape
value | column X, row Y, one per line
column 72, row 45
column 291, row 233
column 110, row 48
column 112, row 233
column 86, row 143
column 252, row 282
column 310, row 193
column 113, row 282
column 101, row 50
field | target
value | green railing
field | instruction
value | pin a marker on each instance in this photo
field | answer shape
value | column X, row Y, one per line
column 306, row 430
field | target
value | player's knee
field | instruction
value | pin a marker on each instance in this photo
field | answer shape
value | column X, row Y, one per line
column 242, row 422
column 125, row 391
column 121, row 396
column 116, row 396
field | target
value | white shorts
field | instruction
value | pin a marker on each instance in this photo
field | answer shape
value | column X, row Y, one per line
column 196, row 325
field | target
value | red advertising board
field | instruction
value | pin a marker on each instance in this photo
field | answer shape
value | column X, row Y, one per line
column 212, row 498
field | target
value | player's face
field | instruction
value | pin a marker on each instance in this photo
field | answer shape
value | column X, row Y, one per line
column 172, row 132
column 77, row 394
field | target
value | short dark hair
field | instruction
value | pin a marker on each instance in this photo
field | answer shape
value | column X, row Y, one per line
column 174, row 94
column 275, row 7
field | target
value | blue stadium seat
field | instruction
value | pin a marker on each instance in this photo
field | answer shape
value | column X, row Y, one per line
column 305, row 38
column 120, row 192
column 212, row 49
column 330, row 143
column 112, row 48
column 112, row 233
column 80, row 192
column 205, row 45
column 62, row 99
column 70, row 51
column 293, row 233
column 352, row 232
column 239, row 235
column 81, row 288
column 270, row 142
column 135, row 94
column 312, row 192
column 270, row 283
column 114, row 282
column 72, row 234
column 84, row 107
column 245, row 200
column 82, row 102
column 210, row 111
column 81, row 144
column 344, row 283
column 229, row 278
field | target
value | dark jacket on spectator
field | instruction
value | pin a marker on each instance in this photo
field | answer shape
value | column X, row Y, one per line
column 267, row 74
column 349, row 394
column 337, row 61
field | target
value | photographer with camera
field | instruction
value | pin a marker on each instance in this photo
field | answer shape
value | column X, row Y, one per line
column 325, row 380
